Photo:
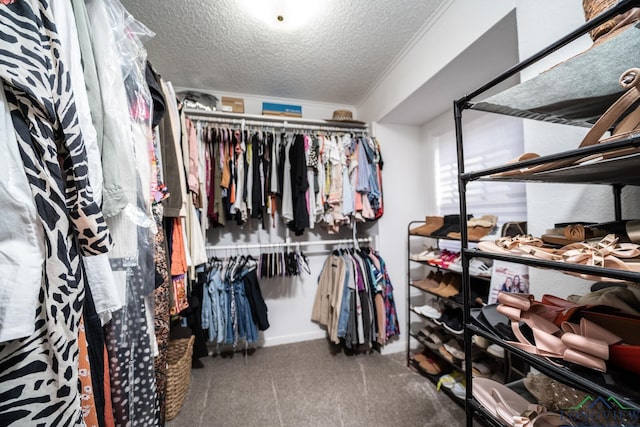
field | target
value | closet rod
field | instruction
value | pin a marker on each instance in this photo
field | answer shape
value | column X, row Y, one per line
column 284, row 244
column 286, row 122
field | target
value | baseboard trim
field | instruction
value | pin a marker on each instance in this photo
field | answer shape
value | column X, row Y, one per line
column 293, row 338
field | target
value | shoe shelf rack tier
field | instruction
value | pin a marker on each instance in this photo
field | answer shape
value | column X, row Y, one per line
column 617, row 171
column 435, row 379
column 412, row 313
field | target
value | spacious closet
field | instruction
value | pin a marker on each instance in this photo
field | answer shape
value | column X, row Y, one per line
column 319, row 213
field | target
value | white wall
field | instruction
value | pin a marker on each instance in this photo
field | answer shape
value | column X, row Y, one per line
column 404, row 180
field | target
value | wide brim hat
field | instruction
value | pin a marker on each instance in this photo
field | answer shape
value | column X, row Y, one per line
column 344, row 116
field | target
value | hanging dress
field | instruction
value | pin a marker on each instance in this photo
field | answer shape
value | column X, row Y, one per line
column 39, row 374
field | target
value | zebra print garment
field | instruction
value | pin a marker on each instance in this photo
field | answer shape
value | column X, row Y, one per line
column 39, row 373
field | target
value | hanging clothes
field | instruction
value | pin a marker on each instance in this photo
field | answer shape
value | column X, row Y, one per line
column 233, row 308
column 299, row 186
column 354, row 300
column 40, row 372
column 327, row 179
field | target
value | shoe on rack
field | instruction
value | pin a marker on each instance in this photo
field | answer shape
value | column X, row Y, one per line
column 451, row 223
column 442, row 284
column 445, row 354
column 481, row 267
column 452, row 321
column 453, row 347
column 459, row 389
column 435, row 339
column 432, row 309
column 496, row 351
column 431, row 224
column 449, row 380
column 476, row 299
column 477, row 228
column 425, row 331
column 481, row 369
column 494, row 234
column 432, row 281
column 456, row 265
column 480, row 341
column 451, row 289
column 427, row 254
column 428, row 364
column 445, row 259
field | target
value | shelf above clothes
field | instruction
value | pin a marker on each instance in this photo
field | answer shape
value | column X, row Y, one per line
column 275, row 121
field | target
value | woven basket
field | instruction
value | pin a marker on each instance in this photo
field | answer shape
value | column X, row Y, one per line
column 593, row 8
column 178, row 374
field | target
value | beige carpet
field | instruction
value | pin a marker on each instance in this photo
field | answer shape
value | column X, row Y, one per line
column 303, row 384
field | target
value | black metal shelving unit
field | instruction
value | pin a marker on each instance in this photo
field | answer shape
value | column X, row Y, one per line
column 505, row 366
column 617, row 173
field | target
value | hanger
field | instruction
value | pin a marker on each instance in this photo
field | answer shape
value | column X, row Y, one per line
column 303, row 261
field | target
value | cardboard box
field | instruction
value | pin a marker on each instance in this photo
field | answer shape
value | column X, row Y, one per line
column 272, row 109
column 232, row 105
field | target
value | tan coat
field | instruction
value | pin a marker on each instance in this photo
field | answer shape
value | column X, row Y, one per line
column 328, row 300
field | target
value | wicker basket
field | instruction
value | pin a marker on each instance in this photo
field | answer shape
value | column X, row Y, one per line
column 178, row 374
column 593, row 8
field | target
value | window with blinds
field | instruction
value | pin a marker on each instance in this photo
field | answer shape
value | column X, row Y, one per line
column 489, row 140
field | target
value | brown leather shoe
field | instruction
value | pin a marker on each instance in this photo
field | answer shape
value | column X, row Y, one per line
column 452, row 288
column 444, row 283
column 432, row 223
column 430, row 282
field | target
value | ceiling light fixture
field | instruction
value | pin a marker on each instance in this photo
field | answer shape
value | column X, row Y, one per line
column 285, row 14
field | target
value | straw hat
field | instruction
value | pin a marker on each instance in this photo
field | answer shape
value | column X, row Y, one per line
column 344, row 116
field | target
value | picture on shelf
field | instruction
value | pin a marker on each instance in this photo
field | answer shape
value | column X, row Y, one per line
column 508, row 277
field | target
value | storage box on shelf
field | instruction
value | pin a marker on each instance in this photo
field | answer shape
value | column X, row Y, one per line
column 614, row 163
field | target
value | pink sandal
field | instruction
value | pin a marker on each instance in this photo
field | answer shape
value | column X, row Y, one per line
column 513, row 409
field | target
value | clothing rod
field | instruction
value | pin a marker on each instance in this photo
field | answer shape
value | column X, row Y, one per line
column 285, row 244
column 286, row 122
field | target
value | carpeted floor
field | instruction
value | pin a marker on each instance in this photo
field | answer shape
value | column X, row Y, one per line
column 304, row 384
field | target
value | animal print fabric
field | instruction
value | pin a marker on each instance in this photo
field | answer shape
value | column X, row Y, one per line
column 161, row 315
column 39, row 373
column 132, row 374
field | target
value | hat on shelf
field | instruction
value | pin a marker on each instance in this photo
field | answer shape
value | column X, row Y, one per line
column 344, row 116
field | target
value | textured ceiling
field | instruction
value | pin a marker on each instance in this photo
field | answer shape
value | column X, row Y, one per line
column 336, row 57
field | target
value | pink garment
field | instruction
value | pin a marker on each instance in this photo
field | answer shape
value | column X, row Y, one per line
column 192, row 139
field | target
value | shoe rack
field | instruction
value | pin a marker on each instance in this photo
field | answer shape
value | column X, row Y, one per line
column 617, row 172
column 447, row 295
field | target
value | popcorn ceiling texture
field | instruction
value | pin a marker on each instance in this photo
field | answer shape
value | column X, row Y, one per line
column 337, row 57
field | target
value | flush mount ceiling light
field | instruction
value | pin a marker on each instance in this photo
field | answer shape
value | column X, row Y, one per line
column 285, row 14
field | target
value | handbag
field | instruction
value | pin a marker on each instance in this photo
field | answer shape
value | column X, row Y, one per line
column 514, row 228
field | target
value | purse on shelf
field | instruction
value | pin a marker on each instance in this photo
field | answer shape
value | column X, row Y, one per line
column 514, row 228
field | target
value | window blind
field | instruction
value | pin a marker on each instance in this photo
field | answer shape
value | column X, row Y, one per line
column 489, row 140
